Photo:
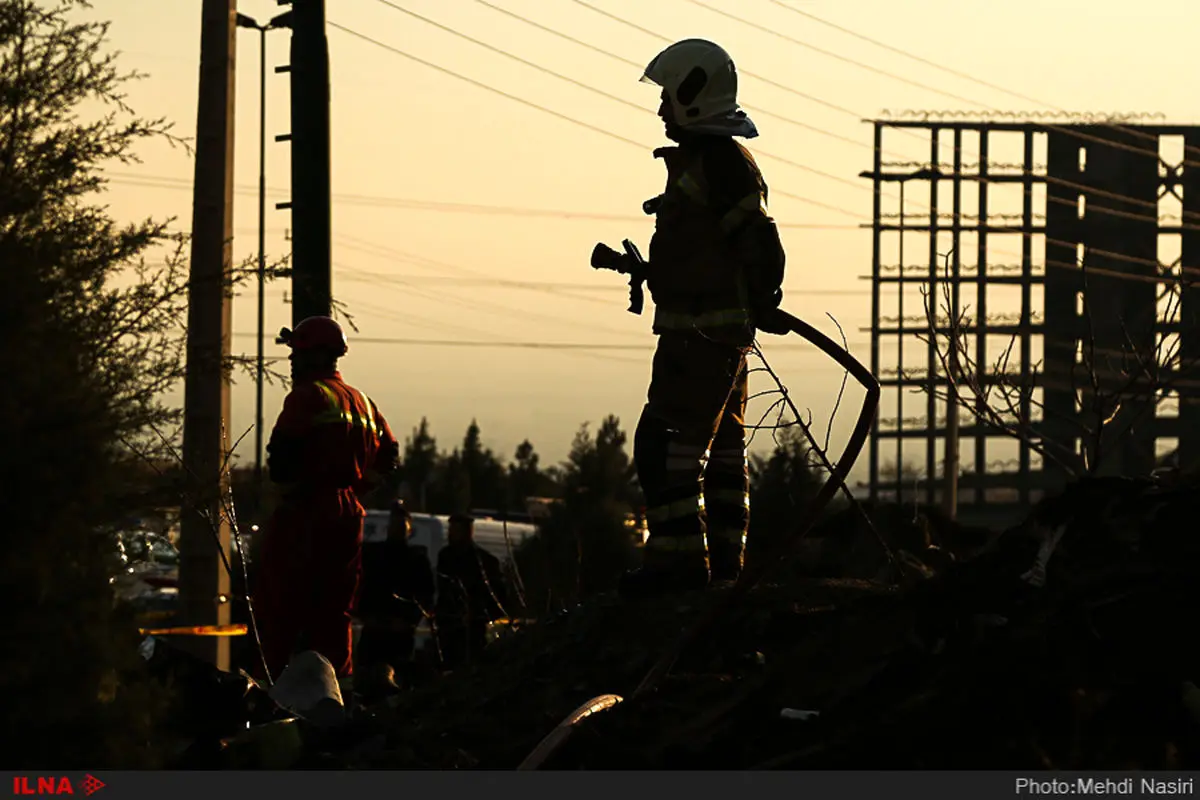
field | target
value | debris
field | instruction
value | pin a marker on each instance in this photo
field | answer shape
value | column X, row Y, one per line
column 208, row 703
column 309, row 687
column 968, row 667
column 798, row 714
column 276, row 745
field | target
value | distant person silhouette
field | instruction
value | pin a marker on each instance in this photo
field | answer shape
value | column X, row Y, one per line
column 471, row 593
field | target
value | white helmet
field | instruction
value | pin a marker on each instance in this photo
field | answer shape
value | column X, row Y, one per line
column 700, row 82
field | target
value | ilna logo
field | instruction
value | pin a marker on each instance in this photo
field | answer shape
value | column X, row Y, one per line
column 24, row 785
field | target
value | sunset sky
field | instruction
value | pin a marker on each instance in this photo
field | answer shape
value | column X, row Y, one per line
column 436, row 179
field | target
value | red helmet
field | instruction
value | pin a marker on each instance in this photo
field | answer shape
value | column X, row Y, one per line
column 315, row 333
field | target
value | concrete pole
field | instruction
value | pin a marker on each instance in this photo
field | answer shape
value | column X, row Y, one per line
column 203, row 582
column 311, row 214
column 262, row 265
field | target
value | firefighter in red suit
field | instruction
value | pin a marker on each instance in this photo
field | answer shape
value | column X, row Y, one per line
column 329, row 446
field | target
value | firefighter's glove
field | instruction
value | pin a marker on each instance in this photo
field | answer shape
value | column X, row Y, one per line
column 389, row 457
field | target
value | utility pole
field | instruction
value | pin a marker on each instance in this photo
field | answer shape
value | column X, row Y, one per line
column 243, row 21
column 262, row 264
column 311, row 219
column 204, row 527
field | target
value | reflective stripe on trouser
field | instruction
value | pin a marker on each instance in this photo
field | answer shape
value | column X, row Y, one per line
column 674, row 505
column 691, row 383
column 727, row 492
column 727, row 488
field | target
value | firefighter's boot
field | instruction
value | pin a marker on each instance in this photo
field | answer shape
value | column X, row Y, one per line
column 670, row 564
column 725, row 555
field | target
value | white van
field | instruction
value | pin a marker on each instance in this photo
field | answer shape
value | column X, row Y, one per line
column 429, row 531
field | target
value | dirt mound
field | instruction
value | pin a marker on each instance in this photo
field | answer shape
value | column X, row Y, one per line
column 493, row 714
column 1066, row 643
column 1063, row 643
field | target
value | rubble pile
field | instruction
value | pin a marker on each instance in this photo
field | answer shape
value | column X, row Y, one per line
column 1062, row 643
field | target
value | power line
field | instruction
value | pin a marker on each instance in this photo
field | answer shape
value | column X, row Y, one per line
column 383, row 251
column 477, row 304
column 944, row 68
column 389, row 314
column 559, row 115
column 588, row 87
column 602, row 51
column 484, row 305
column 183, row 184
column 640, row 66
column 474, row 277
column 829, row 53
column 906, row 54
column 409, row 318
column 1049, row 263
column 565, row 346
column 782, row 86
column 1065, row 130
column 905, row 132
column 505, row 283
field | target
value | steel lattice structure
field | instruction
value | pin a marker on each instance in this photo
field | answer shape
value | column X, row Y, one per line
column 1089, row 229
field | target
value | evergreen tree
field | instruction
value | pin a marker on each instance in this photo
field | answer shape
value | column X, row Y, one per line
column 483, row 471
column 780, row 487
column 526, row 477
column 419, row 462
column 586, row 545
column 92, row 341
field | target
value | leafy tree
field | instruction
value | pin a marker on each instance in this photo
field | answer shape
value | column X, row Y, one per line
column 93, row 341
column 95, row 313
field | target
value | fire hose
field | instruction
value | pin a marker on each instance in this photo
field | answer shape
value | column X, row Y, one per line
column 758, row 569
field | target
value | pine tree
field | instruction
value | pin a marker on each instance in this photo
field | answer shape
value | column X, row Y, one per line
column 420, row 460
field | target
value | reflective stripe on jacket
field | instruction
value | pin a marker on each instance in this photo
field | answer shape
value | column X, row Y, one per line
column 329, row 434
column 701, row 276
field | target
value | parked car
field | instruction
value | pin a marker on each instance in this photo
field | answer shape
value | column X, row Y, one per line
column 429, row 531
column 147, row 574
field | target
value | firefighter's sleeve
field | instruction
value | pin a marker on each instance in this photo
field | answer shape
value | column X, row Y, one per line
column 740, row 195
column 387, row 453
column 285, row 450
column 387, row 458
column 758, row 244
